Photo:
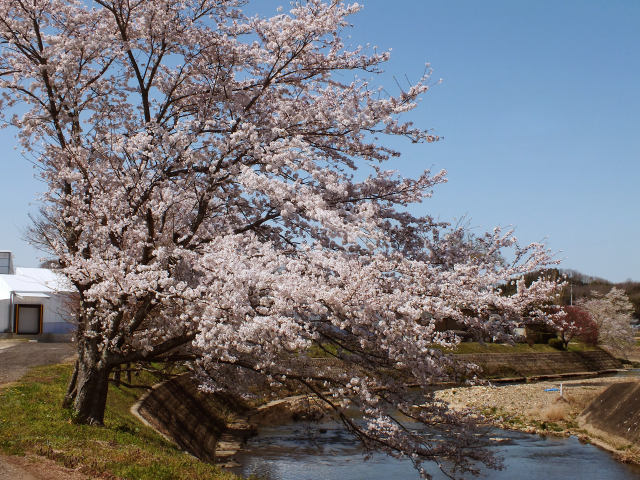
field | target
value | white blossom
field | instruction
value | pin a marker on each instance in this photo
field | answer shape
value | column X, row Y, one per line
column 217, row 188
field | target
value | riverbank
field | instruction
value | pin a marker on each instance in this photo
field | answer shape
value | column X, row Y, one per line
column 35, row 432
column 213, row 427
column 539, row 408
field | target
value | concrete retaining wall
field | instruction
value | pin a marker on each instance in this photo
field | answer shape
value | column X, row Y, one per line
column 193, row 420
column 616, row 412
column 185, row 415
column 500, row 365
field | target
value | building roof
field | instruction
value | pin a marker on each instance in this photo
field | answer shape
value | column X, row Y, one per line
column 33, row 280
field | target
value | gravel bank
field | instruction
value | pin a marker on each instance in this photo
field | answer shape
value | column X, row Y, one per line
column 539, row 408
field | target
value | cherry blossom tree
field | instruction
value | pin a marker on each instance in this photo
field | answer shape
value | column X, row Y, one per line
column 217, row 192
column 613, row 313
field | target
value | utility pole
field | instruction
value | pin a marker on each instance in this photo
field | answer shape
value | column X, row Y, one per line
column 571, row 297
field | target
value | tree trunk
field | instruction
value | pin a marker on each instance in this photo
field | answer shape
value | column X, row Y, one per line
column 71, row 388
column 92, row 385
column 116, row 375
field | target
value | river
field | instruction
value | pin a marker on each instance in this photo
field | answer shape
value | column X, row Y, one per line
column 324, row 451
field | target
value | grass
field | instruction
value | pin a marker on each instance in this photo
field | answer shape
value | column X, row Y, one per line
column 555, row 424
column 549, row 426
column 32, row 421
column 555, row 412
column 581, row 347
column 325, row 351
column 475, row 347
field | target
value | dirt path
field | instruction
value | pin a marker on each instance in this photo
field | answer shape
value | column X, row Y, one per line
column 16, row 357
column 35, row 468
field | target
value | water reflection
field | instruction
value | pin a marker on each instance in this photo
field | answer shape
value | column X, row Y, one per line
column 308, row 451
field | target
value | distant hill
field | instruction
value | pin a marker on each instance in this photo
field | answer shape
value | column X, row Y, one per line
column 580, row 286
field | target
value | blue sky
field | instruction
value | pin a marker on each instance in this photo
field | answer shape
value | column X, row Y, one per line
column 540, row 110
column 539, row 107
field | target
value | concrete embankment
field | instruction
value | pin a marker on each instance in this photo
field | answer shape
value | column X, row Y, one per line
column 614, row 415
column 530, row 366
column 213, row 428
column 208, row 426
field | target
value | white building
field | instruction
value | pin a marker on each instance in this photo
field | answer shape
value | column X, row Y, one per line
column 33, row 301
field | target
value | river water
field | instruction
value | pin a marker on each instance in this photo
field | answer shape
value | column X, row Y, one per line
column 324, row 451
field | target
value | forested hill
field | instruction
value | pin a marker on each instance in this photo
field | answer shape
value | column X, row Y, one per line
column 580, row 286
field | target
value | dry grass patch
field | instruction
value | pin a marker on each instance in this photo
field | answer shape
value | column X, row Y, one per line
column 557, row 412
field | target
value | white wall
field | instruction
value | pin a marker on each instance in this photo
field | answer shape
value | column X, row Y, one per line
column 5, row 319
column 56, row 314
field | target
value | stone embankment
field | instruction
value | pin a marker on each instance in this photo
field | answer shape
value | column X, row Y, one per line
column 531, row 366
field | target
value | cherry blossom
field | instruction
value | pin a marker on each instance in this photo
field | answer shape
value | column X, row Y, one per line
column 613, row 313
column 220, row 190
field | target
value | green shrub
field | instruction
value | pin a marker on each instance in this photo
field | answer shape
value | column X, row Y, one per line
column 556, row 343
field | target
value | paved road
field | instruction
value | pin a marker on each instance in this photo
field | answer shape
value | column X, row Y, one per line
column 16, row 357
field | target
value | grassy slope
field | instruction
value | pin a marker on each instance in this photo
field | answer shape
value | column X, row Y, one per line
column 32, row 421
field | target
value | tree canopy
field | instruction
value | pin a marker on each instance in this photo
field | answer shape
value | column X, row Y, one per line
column 612, row 313
column 576, row 322
column 217, row 192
